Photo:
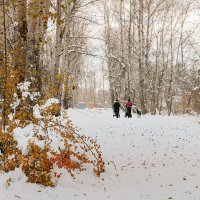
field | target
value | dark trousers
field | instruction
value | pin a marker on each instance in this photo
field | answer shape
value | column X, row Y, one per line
column 128, row 112
column 116, row 112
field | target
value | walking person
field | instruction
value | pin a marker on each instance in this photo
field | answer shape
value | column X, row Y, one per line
column 128, row 108
column 116, row 107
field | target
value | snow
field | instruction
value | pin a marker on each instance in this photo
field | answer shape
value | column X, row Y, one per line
column 22, row 136
column 196, row 88
column 24, row 88
column 38, row 109
column 148, row 158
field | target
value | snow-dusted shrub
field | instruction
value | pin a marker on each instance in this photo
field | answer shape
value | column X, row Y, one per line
column 45, row 142
column 55, row 142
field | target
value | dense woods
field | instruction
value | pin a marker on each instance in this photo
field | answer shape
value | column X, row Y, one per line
column 152, row 51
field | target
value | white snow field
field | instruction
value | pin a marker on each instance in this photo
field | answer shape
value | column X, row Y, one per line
column 148, row 158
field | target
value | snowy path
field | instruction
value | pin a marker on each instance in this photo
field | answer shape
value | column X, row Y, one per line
column 148, row 158
column 156, row 157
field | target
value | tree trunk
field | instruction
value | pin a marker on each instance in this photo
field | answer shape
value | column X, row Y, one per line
column 59, row 36
column 141, row 56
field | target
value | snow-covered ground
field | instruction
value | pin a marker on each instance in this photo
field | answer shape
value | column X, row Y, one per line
column 148, row 158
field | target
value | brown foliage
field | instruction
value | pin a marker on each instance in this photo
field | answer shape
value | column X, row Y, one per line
column 10, row 154
column 36, row 165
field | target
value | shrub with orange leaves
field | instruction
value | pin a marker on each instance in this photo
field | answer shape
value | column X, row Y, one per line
column 54, row 142
column 77, row 150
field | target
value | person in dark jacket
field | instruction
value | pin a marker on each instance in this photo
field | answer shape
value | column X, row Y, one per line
column 128, row 108
column 116, row 107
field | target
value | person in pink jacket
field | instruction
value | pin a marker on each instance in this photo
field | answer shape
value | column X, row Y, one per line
column 128, row 108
